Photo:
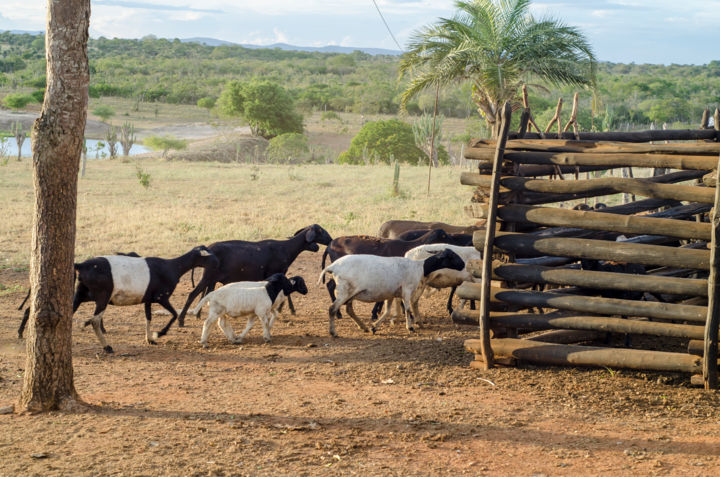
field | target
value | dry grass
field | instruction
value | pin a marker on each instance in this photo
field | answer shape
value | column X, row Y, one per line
column 192, row 203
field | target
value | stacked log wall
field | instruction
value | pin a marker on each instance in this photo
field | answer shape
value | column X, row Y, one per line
column 528, row 185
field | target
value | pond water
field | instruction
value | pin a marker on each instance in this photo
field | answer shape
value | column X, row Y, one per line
column 96, row 149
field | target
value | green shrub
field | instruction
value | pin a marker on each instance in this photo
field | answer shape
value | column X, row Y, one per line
column 104, row 112
column 17, row 100
column 378, row 141
column 288, row 147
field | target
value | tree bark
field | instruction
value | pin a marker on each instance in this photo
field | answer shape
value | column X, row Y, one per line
column 57, row 140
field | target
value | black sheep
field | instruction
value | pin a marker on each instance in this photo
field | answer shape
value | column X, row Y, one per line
column 240, row 261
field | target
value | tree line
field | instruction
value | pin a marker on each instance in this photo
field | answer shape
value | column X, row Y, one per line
column 154, row 69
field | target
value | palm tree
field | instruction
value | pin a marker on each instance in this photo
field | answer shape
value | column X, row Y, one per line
column 498, row 46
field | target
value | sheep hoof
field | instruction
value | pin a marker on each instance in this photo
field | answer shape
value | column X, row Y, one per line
column 372, row 330
column 108, row 349
column 152, row 342
column 205, row 345
column 411, row 329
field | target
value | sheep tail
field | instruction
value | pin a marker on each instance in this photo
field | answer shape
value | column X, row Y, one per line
column 321, row 278
column 322, row 264
column 202, row 302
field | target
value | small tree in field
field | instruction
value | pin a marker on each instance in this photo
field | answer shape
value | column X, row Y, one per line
column 165, row 143
column 104, row 112
column 266, row 106
column 287, row 147
column 17, row 100
column 20, row 136
column 378, row 141
column 423, row 132
column 111, row 138
column 207, row 102
column 127, row 137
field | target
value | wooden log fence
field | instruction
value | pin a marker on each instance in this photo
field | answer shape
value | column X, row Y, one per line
column 520, row 181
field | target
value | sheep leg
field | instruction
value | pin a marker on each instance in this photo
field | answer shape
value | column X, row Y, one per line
column 266, row 321
column 213, row 315
column 330, row 285
column 376, row 310
column 355, row 318
column 148, row 319
column 409, row 319
column 95, row 322
column 227, row 328
column 24, row 321
column 250, row 323
column 388, row 308
column 449, row 302
column 204, row 286
column 334, row 311
column 274, row 317
column 290, row 305
column 165, row 303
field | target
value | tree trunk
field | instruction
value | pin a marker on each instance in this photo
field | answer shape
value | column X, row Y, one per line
column 56, row 146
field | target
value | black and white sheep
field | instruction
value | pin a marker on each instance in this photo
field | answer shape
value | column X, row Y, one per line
column 261, row 299
column 370, row 278
column 122, row 280
column 241, row 261
column 447, row 278
column 26, row 314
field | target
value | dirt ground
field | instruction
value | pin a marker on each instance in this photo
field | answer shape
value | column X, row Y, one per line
column 307, row 404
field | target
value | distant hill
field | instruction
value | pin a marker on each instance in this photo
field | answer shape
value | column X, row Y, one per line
column 285, row 46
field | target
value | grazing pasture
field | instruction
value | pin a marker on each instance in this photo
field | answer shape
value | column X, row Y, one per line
column 393, row 403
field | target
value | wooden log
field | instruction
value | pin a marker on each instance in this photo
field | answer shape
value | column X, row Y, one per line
column 566, row 336
column 556, row 118
column 524, row 120
column 530, row 321
column 525, row 245
column 574, row 355
column 598, row 187
column 634, row 136
column 586, row 304
column 702, row 163
column 705, row 120
column 596, row 280
column 530, row 170
column 601, row 221
column 489, row 236
column 605, row 147
column 573, row 116
column 696, row 347
column 712, row 324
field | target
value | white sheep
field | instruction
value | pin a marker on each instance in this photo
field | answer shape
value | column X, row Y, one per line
column 255, row 299
column 370, row 278
column 447, row 278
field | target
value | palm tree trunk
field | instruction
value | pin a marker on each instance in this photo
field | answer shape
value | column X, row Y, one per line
column 56, row 145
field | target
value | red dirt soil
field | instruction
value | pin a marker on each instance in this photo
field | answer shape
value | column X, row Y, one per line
column 306, row 404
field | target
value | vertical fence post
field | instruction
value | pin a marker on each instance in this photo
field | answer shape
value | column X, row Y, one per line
column 712, row 324
column 486, row 349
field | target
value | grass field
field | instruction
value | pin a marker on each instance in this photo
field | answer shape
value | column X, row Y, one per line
column 193, row 203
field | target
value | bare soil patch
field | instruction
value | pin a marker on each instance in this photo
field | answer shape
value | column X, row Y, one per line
column 307, row 404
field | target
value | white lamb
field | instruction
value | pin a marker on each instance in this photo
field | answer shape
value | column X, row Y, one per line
column 248, row 298
column 370, row 278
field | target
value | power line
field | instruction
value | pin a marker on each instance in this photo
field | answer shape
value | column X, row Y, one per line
column 387, row 26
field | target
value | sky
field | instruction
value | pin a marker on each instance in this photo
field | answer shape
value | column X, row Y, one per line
column 622, row 31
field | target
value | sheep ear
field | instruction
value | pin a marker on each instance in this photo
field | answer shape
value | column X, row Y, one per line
column 310, row 235
column 204, row 253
